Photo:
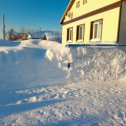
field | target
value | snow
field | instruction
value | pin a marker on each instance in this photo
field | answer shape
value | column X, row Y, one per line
column 71, row 104
column 8, row 43
column 35, row 90
column 100, row 63
column 36, row 35
column 54, row 36
column 50, row 35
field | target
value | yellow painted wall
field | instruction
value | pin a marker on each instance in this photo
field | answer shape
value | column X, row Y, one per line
column 110, row 22
column 88, row 7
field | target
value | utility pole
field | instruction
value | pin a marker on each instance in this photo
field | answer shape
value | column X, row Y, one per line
column 4, row 32
column 54, row 35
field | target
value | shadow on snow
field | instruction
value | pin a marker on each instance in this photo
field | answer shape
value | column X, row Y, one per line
column 13, row 109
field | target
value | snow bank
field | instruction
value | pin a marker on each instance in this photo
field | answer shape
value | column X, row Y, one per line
column 34, row 89
column 93, row 63
column 26, row 65
column 99, row 63
column 9, row 43
column 35, row 62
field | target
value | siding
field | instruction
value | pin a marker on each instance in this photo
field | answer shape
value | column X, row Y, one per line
column 91, row 5
column 110, row 26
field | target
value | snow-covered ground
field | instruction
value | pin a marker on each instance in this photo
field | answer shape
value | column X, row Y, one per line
column 35, row 89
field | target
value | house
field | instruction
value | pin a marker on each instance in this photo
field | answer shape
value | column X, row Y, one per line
column 46, row 35
column 36, row 35
column 92, row 21
column 53, row 36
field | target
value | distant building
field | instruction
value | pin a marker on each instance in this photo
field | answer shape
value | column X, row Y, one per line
column 87, row 21
column 36, row 35
column 47, row 35
column 53, row 36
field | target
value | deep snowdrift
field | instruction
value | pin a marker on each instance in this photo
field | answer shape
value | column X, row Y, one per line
column 25, row 65
column 34, row 90
column 8, row 43
column 99, row 63
column 93, row 63
column 33, row 61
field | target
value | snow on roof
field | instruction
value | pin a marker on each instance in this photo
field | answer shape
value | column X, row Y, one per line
column 50, row 35
column 37, row 34
column 54, row 36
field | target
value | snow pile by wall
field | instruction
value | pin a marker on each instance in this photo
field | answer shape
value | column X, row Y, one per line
column 25, row 65
column 35, row 62
column 59, row 56
column 99, row 63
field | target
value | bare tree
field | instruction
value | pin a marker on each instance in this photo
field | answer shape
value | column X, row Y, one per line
column 11, row 34
column 23, row 33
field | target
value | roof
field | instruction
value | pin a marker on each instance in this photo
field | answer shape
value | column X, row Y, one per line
column 54, row 36
column 37, row 34
column 68, row 8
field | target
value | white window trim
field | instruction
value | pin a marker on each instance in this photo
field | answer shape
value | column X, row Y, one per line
column 69, row 41
column 99, row 30
column 80, row 40
column 95, row 40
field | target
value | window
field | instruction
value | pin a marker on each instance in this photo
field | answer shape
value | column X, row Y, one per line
column 80, row 33
column 96, row 30
column 70, row 15
column 84, row 1
column 69, row 34
column 78, row 4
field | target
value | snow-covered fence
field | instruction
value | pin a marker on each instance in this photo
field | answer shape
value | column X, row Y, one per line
column 92, row 62
column 99, row 62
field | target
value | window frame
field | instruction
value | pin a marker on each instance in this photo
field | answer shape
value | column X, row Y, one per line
column 85, row 2
column 78, row 4
column 97, row 24
column 70, row 35
column 79, row 35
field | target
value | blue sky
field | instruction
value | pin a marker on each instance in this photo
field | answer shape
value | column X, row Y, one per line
column 32, row 14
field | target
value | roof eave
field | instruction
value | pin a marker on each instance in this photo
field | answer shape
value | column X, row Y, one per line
column 67, row 9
